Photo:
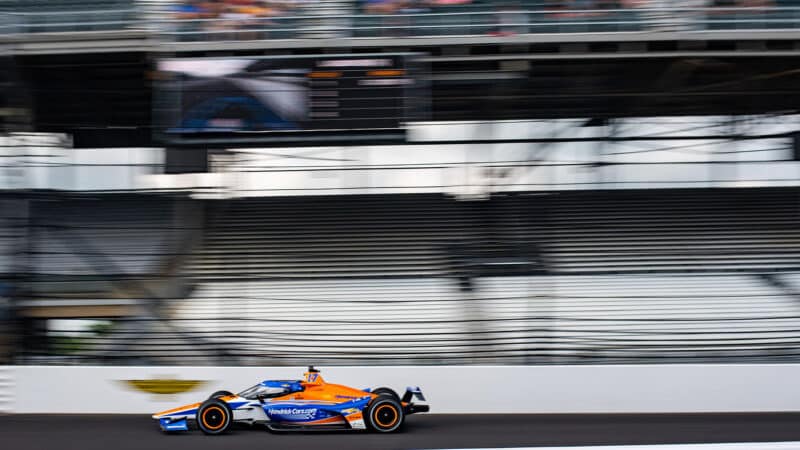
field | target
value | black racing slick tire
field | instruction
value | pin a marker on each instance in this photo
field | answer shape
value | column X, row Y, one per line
column 214, row 416
column 386, row 391
column 219, row 394
column 384, row 414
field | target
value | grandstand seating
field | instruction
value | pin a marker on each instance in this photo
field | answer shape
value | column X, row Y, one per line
column 544, row 319
column 360, row 236
column 638, row 231
column 626, row 276
column 672, row 230
column 533, row 319
column 70, row 15
column 629, row 276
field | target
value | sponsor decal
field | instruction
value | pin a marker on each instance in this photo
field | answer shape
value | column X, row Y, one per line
column 298, row 413
column 164, row 386
column 358, row 424
column 179, row 425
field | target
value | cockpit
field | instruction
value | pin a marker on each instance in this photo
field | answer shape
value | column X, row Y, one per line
column 271, row 388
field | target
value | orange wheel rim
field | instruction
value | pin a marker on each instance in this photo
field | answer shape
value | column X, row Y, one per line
column 209, row 414
column 386, row 416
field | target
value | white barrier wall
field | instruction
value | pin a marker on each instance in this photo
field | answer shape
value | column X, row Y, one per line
column 7, row 389
column 449, row 389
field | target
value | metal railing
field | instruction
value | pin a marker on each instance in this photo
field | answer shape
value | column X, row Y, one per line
column 427, row 24
column 70, row 21
column 484, row 23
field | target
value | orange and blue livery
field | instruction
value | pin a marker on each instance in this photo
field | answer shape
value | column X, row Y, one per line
column 307, row 404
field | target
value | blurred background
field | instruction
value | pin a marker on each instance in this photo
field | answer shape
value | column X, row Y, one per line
column 389, row 182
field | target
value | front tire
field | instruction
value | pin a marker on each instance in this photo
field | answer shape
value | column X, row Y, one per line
column 384, row 414
column 219, row 394
column 214, row 416
column 386, row 391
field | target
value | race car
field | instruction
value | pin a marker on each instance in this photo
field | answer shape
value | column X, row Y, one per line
column 296, row 405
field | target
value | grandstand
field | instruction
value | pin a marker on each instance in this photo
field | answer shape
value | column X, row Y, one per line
column 254, row 275
column 611, row 276
column 293, row 267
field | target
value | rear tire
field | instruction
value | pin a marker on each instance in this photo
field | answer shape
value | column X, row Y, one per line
column 384, row 414
column 214, row 416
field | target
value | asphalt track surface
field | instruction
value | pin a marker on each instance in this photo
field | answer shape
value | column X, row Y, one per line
column 122, row 432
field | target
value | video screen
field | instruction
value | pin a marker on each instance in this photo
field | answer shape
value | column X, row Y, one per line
column 259, row 96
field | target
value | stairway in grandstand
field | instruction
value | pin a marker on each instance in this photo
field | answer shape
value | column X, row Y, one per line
column 105, row 235
column 87, row 251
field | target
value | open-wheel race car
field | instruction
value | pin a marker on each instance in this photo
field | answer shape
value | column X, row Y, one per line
column 289, row 405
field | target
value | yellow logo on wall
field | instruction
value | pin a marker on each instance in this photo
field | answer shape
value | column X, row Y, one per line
column 165, row 386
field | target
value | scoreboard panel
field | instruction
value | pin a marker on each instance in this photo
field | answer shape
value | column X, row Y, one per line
column 242, row 100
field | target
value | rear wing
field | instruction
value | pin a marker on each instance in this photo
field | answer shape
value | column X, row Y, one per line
column 412, row 392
